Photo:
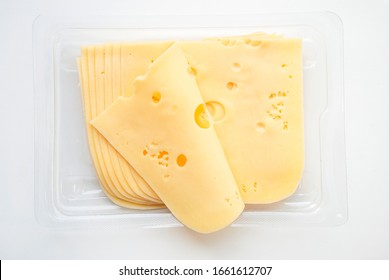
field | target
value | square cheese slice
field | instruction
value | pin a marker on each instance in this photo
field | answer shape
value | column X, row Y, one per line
column 163, row 130
column 252, row 87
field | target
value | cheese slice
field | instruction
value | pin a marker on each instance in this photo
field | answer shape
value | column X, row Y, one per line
column 111, row 72
column 164, row 132
column 102, row 88
column 86, row 71
column 135, row 59
column 253, row 90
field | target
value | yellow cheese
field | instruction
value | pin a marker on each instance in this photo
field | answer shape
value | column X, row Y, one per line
column 112, row 71
column 114, row 162
column 106, row 76
column 253, row 89
column 253, row 39
column 102, row 88
column 162, row 130
column 135, row 59
column 86, row 70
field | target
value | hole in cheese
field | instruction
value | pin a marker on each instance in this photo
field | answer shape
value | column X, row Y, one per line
column 156, row 97
column 253, row 43
column 181, row 160
column 216, row 110
column 162, row 154
column 261, row 127
column 236, row 67
column 163, row 158
column 231, row 85
column 225, row 42
column 272, row 95
column 285, row 127
column 201, row 117
column 192, row 71
column 153, row 152
column 228, row 200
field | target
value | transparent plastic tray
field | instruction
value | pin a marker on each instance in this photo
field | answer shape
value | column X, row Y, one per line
column 67, row 191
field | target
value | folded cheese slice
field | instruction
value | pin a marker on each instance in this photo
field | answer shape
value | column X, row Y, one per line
column 164, row 132
column 253, row 89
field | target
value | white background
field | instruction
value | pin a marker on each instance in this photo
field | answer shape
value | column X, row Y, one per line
column 364, row 236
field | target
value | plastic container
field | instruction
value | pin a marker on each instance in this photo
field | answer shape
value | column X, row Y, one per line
column 67, row 191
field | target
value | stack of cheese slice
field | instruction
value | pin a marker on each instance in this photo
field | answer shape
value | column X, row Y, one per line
column 195, row 126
